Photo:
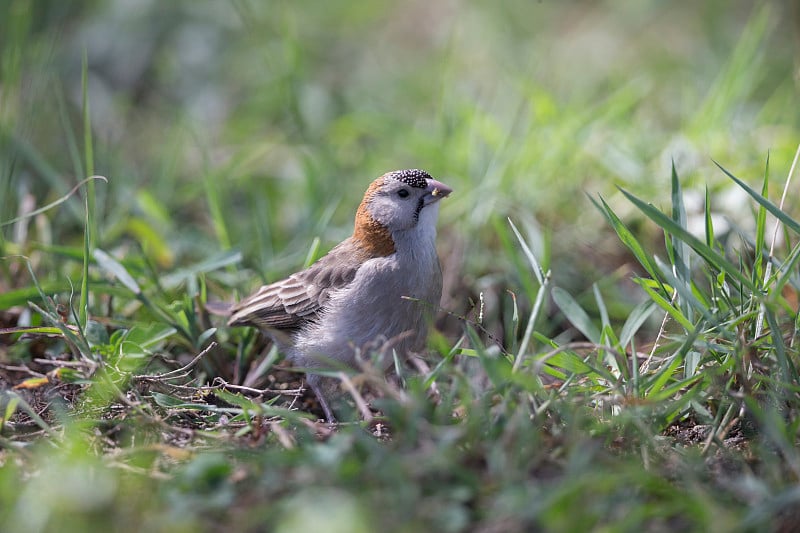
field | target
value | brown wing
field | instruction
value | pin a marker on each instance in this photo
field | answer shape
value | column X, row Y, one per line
column 288, row 303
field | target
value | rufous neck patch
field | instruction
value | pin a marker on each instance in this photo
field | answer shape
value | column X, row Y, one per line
column 373, row 237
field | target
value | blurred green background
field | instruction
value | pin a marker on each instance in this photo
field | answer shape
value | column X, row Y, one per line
column 256, row 126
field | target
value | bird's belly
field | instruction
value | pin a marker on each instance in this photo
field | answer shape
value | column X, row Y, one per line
column 384, row 313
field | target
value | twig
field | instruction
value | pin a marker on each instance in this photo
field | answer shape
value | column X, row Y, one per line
column 55, row 203
column 462, row 318
column 286, row 440
column 661, row 331
column 424, row 369
column 220, row 383
column 178, row 372
column 23, row 368
column 361, row 404
column 59, row 363
column 154, row 474
column 719, row 436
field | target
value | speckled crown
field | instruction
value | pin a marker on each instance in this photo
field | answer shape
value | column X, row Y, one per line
column 412, row 177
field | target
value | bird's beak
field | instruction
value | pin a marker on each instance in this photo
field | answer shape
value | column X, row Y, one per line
column 435, row 191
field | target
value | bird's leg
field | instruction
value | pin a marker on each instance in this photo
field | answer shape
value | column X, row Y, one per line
column 314, row 382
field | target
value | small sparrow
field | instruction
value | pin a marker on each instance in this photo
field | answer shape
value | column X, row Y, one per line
column 379, row 285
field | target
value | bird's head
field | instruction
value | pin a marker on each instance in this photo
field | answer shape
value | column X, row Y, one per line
column 397, row 201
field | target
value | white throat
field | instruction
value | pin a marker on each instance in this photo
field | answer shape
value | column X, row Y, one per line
column 419, row 240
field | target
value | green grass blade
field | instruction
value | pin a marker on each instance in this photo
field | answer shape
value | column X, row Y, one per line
column 537, row 269
column 69, row 134
column 709, row 226
column 628, row 239
column 686, row 295
column 666, row 305
column 662, row 391
column 89, row 204
column 788, row 221
column 538, row 304
column 787, row 270
column 214, row 262
column 575, row 314
column 217, row 212
column 682, row 259
column 601, row 306
column 113, row 266
column 761, row 231
column 635, row 320
column 711, row 256
column 19, row 403
column 88, row 151
column 83, row 309
column 788, row 370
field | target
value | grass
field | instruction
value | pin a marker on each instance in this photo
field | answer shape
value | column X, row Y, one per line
column 617, row 348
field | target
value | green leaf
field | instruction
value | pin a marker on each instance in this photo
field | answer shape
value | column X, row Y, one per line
column 788, row 221
column 668, row 392
column 761, row 229
column 666, row 305
column 496, row 368
column 152, row 240
column 575, row 314
column 682, row 258
column 83, row 310
column 452, row 352
column 41, row 330
column 10, row 409
column 787, row 270
column 569, row 361
column 686, row 295
column 708, row 221
column 537, row 269
column 96, row 334
column 711, row 256
column 21, row 405
column 215, row 262
column 693, row 358
column 787, row 368
column 203, row 337
column 635, row 319
column 111, row 265
column 149, row 336
column 655, row 389
column 629, row 240
column 601, row 306
column 172, row 402
column 313, row 253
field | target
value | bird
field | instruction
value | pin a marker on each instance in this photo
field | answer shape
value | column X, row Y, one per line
column 380, row 285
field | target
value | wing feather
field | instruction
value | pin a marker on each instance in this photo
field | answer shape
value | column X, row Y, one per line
column 289, row 303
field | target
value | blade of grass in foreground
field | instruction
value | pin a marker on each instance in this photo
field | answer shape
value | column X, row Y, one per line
column 761, row 230
column 88, row 149
column 89, row 204
column 544, row 289
column 709, row 226
column 712, row 257
column 772, row 208
column 575, row 314
column 628, row 239
column 682, row 258
column 83, row 309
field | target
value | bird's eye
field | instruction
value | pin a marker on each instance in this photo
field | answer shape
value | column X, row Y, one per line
column 402, row 193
